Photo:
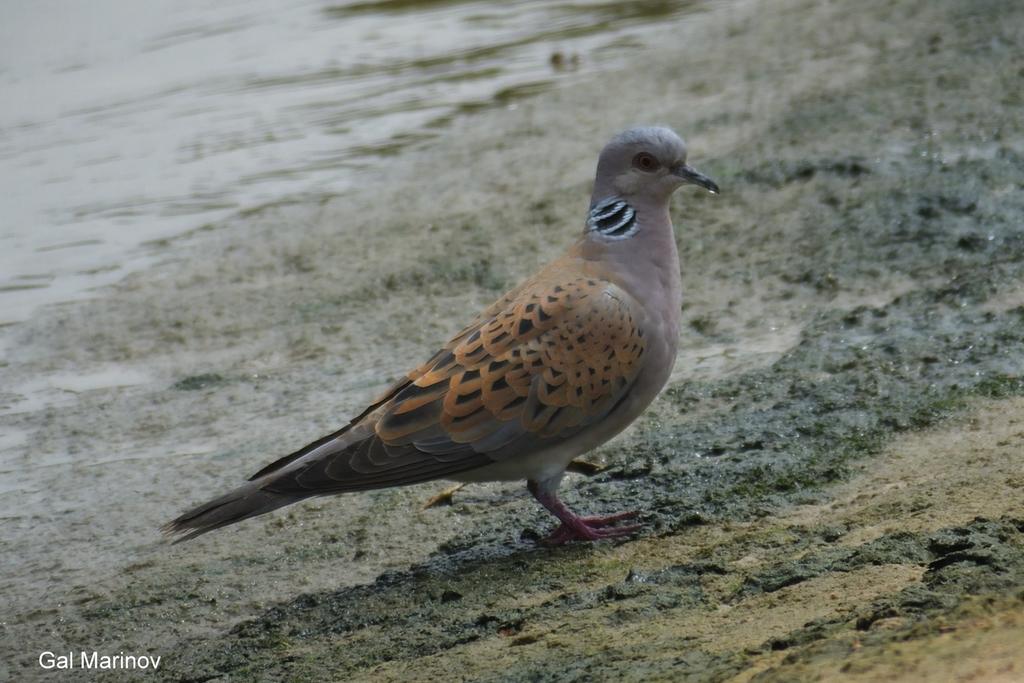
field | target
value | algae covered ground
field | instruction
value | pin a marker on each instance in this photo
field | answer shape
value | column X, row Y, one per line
column 832, row 485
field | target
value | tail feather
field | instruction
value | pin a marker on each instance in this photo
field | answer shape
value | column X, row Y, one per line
column 242, row 503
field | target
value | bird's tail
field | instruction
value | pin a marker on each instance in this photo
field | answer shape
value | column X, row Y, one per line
column 244, row 502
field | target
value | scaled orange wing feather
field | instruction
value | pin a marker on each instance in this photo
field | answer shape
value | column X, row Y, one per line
column 550, row 357
column 555, row 355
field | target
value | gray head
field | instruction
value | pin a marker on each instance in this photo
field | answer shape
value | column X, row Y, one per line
column 644, row 166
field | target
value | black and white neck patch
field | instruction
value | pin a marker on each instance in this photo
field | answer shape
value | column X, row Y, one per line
column 613, row 218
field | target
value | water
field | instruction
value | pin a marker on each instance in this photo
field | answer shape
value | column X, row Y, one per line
column 124, row 123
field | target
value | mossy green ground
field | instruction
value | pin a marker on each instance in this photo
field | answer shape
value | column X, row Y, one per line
column 830, row 485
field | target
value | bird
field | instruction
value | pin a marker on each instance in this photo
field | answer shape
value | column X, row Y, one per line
column 555, row 367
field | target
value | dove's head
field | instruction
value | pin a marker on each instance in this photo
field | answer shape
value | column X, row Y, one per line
column 643, row 165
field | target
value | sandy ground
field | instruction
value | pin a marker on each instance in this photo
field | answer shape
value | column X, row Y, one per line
column 832, row 484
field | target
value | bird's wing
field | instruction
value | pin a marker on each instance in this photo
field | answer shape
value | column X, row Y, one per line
column 550, row 358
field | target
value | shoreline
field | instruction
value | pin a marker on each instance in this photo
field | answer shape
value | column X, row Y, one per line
column 848, row 334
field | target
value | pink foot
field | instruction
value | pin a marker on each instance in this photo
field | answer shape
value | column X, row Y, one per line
column 592, row 528
column 573, row 527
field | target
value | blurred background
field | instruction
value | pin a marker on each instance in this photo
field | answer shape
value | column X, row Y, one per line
column 126, row 122
column 225, row 227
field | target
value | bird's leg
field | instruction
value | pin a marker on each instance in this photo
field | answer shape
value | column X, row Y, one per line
column 576, row 466
column 574, row 527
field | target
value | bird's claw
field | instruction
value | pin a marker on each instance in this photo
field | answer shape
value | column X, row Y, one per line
column 592, row 528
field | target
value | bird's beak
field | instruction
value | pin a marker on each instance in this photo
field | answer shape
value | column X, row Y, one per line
column 694, row 177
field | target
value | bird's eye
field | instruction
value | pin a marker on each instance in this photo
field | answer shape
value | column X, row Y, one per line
column 645, row 162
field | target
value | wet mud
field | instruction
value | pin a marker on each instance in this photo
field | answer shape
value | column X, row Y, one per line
column 833, row 482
